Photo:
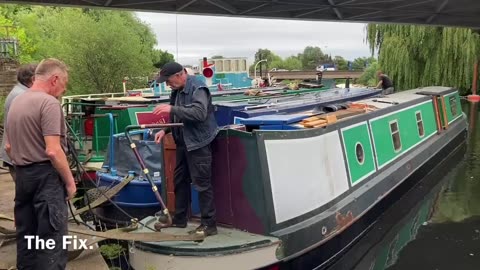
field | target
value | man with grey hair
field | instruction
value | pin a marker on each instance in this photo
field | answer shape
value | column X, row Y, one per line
column 24, row 81
column 36, row 144
column 190, row 104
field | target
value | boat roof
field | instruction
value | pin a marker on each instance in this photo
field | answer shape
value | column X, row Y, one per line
column 312, row 118
column 406, row 96
column 327, row 95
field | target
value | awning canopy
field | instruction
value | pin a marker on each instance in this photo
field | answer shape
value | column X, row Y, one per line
column 465, row 13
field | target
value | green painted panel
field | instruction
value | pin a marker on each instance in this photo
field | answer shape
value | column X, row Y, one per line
column 358, row 135
column 408, row 131
column 124, row 117
column 102, row 129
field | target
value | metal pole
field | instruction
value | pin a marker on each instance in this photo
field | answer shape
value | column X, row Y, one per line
column 166, row 220
column 255, row 69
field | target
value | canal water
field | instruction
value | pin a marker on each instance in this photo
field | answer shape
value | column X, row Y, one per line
column 436, row 225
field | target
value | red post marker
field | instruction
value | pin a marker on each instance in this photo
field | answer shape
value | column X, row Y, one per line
column 474, row 97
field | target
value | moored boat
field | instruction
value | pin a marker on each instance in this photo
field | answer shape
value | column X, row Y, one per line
column 92, row 129
column 282, row 194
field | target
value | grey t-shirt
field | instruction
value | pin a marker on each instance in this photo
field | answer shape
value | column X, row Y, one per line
column 32, row 116
column 18, row 89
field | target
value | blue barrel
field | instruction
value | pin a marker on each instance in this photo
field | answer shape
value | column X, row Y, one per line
column 136, row 198
column 137, row 193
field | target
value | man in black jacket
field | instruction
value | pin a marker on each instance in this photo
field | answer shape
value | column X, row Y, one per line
column 190, row 104
column 385, row 82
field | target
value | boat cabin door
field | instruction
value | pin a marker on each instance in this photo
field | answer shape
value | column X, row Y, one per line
column 445, row 110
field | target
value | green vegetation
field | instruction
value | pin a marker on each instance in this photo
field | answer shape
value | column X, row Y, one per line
column 111, row 251
column 415, row 56
column 100, row 47
column 369, row 77
column 309, row 59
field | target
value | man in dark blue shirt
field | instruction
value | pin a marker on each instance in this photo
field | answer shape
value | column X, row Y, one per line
column 190, row 104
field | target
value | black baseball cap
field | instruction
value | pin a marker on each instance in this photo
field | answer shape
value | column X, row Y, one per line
column 168, row 70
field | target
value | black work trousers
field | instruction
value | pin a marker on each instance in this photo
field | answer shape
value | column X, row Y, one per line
column 11, row 169
column 194, row 167
column 40, row 211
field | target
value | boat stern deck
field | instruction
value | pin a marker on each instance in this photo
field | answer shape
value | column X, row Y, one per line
column 230, row 248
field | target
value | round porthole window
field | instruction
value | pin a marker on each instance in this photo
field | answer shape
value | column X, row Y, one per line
column 360, row 153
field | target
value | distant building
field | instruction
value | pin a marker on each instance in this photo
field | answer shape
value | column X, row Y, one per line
column 227, row 73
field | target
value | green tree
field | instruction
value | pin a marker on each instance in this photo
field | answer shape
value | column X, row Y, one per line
column 100, row 47
column 293, row 63
column 111, row 50
column 11, row 11
column 415, row 56
column 362, row 63
column 9, row 30
column 340, row 62
column 161, row 58
column 271, row 58
column 278, row 64
column 369, row 77
column 312, row 57
column 274, row 61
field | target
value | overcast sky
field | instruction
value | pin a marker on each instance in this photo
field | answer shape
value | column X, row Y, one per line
column 200, row 36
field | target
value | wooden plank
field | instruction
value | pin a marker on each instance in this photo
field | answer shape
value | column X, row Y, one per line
column 321, row 125
column 330, row 118
column 313, row 118
column 348, row 113
column 314, row 123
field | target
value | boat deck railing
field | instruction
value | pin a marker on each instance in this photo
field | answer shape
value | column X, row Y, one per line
column 72, row 99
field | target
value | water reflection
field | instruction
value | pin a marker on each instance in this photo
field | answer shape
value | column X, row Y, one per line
column 434, row 226
column 461, row 199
